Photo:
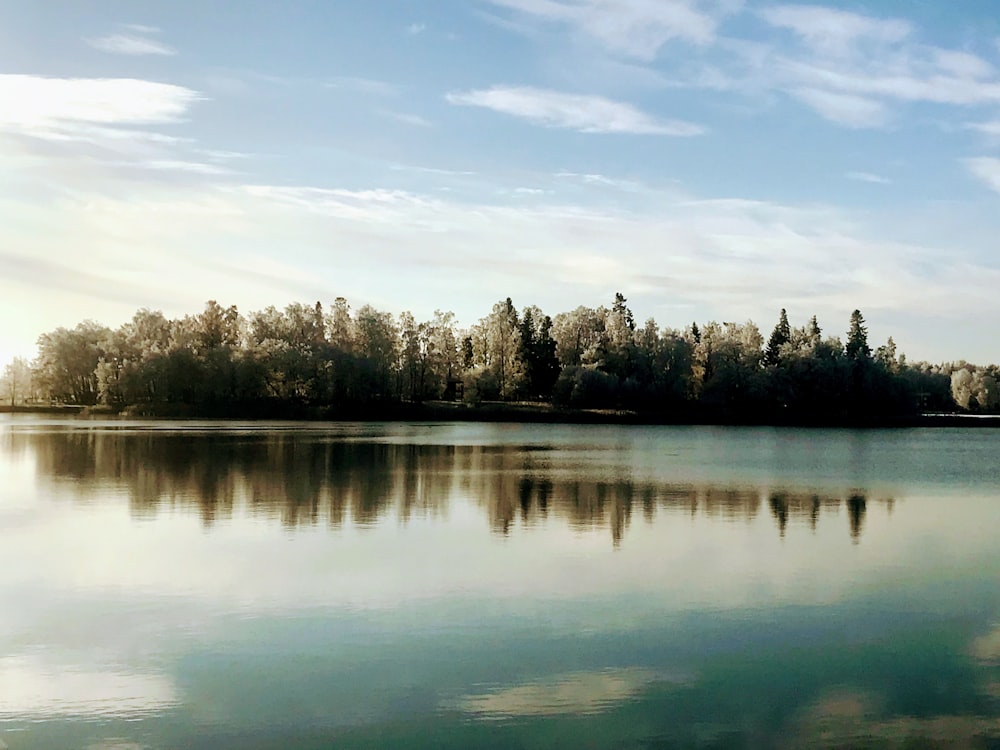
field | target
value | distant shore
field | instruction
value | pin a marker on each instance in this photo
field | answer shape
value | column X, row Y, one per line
column 449, row 411
column 63, row 409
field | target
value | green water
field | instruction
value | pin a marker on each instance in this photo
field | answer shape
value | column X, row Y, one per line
column 279, row 585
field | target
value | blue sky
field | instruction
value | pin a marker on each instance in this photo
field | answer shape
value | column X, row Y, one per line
column 711, row 159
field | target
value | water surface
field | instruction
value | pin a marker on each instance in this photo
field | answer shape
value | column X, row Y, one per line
column 226, row 585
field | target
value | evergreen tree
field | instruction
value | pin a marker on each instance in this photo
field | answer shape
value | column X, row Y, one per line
column 814, row 333
column 546, row 361
column 528, row 345
column 621, row 308
column 780, row 336
column 538, row 353
column 857, row 338
column 618, row 345
column 468, row 354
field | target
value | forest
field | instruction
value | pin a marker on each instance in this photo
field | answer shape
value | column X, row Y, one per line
column 307, row 360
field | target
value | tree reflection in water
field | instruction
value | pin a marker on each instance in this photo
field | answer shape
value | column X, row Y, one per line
column 305, row 479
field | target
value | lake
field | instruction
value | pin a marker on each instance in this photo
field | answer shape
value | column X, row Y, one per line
column 307, row 585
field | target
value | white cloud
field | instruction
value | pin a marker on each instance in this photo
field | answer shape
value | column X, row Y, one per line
column 868, row 177
column 180, row 165
column 906, row 79
column 729, row 256
column 961, row 64
column 196, row 226
column 408, row 118
column 986, row 169
column 586, row 114
column 362, row 205
column 361, row 85
column 430, row 170
column 600, row 180
column 990, row 128
column 141, row 28
column 50, row 107
column 416, row 28
column 835, row 31
column 852, row 68
column 97, row 125
column 636, row 28
column 130, row 44
column 732, row 251
column 844, row 109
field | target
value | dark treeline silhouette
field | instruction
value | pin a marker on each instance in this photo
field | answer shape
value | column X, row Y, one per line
column 307, row 360
column 307, row 481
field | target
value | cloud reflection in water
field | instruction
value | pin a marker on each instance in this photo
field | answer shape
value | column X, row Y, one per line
column 987, row 647
column 30, row 688
column 576, row 693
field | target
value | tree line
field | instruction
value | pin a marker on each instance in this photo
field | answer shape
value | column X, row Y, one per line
column 335, row 361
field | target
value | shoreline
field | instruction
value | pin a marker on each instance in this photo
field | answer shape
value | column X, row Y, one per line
column 541, row 413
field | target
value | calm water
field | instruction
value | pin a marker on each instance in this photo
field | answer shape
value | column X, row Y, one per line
column 210, row 585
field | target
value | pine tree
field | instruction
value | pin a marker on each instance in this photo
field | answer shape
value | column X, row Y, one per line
column 857, row 338
column 781, row 335
column 813, row 332
column 546, row 361
column 468, row 354
column 620, row 307
column 527, row 349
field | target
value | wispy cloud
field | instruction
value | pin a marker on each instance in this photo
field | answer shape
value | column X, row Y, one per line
column 195, row 167
column 130, row 44
column 101, row 126
column 635, row 28
column 989, row 128
column 726, row 256
column 853, row 68
column 729, row 254
column 835, row 31
column 586, row 114
column 359, row 205
column 876, row 179
column 55, row 106
column 416, row 28
column 430, row 170
column 361, row 85
column 599, row 180
column 895, row 77
column 141, row 28
column 986, row 169
column 844, row 109
column 408, row 118
column 60, row 275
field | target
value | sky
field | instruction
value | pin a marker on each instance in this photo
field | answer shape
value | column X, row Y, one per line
column 710, row 159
